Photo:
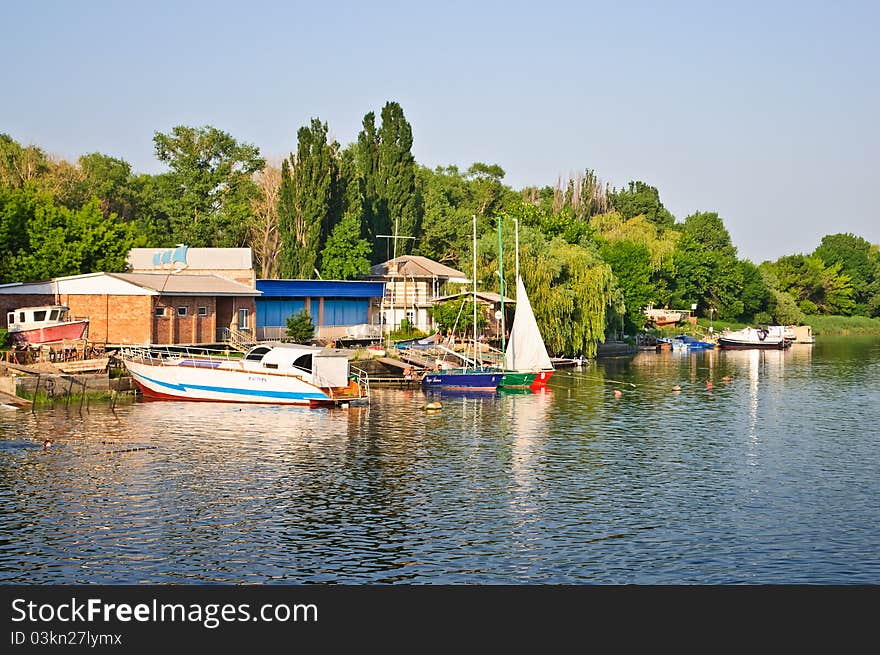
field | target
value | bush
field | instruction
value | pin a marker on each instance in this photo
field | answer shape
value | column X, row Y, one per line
column 300, row 327
column 4, row 337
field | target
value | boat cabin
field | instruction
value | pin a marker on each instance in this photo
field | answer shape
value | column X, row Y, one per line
column 327, row 366
column 27, row 318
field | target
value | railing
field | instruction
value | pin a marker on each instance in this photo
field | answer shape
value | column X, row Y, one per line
column 157, row 355
column 362, row 379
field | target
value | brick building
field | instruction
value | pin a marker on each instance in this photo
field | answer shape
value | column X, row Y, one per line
column 158, row 308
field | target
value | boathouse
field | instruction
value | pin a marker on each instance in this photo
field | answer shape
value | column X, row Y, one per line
column 338, row 308
column 412, row 286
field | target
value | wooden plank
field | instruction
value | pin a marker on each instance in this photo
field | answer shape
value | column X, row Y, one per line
column 9, row 399
column 83, row 365
column 393, row 362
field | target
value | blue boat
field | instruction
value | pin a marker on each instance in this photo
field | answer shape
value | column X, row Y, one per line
column 463, row 378
column 691, row 343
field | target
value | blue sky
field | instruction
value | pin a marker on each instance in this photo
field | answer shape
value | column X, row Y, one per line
column 763, row 112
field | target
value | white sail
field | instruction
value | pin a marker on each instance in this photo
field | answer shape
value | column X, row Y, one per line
column 525, row 349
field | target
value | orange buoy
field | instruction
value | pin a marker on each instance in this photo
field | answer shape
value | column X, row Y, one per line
column 618, row 393
column 676, row 388
column 709, row 384
column 725, row 379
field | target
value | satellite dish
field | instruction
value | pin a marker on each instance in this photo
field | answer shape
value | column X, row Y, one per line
column 498, row 314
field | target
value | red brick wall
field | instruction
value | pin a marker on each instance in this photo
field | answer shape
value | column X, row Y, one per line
column 112, row 318
column 190, row 328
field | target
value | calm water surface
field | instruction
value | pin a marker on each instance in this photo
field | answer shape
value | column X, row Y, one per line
column 773, row 477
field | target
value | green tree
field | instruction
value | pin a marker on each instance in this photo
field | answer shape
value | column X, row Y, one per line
column 816, row 287
column 209, row 187
column 854, row 255
column 631, row 264
column 707, row 271
column 397, row 174
column 346, row 254
column 307, row 184
column 20, row 164
column 640, row 199
column 756, row 296
column 300, row 327
column 60, row 241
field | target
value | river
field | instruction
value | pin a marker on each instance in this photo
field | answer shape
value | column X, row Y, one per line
column 770, row 477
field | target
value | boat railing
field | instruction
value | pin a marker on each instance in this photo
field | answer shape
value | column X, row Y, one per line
column 362, row 379
column 157, row 355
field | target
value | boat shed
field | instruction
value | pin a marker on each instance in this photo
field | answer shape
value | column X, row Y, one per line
column 155, row 308
column 336, row 306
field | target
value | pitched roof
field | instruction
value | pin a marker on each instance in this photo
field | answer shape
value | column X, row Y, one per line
column 186, row 285
column 486, row 296
column 417, row 266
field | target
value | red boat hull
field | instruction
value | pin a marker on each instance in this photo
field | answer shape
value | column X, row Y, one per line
column 70, row 331
column 541, row 380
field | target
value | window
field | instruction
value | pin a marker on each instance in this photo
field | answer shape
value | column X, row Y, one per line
column 21, row 317
column 181, row 311
column 160, row 311
column 40, row 316
column 303, row 362
column 10, row 318
column 203, row 311
column 53, row 315
column 242, row 319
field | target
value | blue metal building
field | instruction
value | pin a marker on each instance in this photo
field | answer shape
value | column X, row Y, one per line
column 333, row 304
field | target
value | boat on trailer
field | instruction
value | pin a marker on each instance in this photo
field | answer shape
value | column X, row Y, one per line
column 277, row 373
column 44, row 324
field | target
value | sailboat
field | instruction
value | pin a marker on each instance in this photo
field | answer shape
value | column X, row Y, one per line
column 526, row 352
column 475, row 378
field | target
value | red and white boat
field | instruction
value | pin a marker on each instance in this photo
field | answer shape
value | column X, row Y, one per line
column 44, row 324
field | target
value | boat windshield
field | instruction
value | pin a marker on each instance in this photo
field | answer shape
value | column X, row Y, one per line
column 10, row 318
column 256, row 354
column 40, row 316
column 53, row 315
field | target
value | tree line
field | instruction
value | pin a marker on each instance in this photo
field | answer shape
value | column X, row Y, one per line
column 592, row 256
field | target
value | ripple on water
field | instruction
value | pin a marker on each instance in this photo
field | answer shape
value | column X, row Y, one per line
column 770, row 477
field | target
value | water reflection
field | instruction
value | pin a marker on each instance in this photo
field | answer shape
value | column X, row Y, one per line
column 771, row 476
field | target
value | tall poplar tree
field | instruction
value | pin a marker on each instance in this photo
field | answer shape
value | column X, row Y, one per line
column 397, row 175
column 305, row 199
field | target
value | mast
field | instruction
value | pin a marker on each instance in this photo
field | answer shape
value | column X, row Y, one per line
column 474, row 216
column 516, row 232
column 501, row 274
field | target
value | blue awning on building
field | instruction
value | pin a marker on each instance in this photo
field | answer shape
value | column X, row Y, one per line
column 320, row 288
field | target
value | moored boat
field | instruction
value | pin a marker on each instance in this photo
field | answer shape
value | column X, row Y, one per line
column 753, row 338
column 526, row 352
column 283, row 374
column 44, row 324
column 475, row 379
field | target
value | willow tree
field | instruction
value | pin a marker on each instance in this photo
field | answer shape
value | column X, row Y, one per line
column 570, row 288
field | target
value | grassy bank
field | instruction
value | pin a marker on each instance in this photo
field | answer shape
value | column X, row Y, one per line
column 76, row 398
column 844, row 324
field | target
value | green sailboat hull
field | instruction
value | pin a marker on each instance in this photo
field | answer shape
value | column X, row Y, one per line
column 513, row 379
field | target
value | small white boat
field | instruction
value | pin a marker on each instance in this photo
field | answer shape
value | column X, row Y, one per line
column 278, row 373
column 772, row 337
column 44, row 324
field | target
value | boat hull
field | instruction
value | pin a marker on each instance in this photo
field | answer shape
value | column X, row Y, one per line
column 470, row 380
column 215, row 384
column 541, row 379
column 49, row 334
column 727, row 344
column 515, row 380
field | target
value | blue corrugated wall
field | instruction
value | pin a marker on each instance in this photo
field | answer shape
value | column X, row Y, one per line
column 273, row 312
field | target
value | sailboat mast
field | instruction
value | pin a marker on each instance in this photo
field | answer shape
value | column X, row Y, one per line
column 501, row 274
column 516, row 232
column 475, row 290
